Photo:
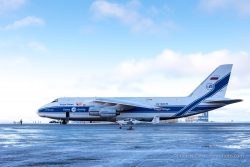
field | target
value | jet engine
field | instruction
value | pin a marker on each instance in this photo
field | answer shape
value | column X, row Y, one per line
column 94, row 111
column 106, row 112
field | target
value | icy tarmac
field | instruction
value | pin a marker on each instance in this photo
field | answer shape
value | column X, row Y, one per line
column 105, row 145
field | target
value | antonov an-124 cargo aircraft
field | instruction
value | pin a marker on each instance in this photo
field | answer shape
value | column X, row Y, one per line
column 209, row 95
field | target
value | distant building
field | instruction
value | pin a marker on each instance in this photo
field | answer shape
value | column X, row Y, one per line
column 203, row 117
column 170, row 121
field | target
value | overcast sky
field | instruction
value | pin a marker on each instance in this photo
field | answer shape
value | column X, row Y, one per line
column 60, row 48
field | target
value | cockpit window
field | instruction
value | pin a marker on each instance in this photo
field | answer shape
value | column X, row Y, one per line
column 56, row 100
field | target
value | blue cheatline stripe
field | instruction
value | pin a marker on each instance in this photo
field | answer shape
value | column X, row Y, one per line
column 204, row 99
column 217, row 87
column 170, row 109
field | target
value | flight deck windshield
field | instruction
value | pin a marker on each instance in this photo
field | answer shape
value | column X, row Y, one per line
column 56, row 100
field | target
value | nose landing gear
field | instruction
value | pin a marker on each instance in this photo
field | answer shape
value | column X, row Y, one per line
column 66, row 120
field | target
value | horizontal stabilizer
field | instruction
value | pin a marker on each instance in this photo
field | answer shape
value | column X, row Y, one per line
column 223, row 101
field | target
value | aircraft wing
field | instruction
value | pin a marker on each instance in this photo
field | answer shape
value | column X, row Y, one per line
column 124, row 104
column 223, row 101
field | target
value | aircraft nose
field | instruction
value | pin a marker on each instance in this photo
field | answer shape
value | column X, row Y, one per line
column 40, row 111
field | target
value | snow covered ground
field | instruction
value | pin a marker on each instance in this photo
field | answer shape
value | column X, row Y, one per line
column 105, row 145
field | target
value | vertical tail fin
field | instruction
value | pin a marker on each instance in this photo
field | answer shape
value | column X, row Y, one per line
column 216, row 82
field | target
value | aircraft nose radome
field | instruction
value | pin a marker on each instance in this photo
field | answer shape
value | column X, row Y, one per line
column 39, row 111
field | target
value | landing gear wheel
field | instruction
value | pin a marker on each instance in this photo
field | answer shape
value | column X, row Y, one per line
column 130, row 127
column 64, row 122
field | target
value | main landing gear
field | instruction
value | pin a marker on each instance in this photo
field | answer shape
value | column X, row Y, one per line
column 130, row 125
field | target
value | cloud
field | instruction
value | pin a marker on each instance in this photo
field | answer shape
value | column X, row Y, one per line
column 26, row 85
column 129, row 15
column 242, row 7
column 37, row 46
column 24, row 22
column 170, row 73
column 173, row 64
column 10, row 5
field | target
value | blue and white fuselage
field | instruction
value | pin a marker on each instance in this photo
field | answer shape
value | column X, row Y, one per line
column 209, row 95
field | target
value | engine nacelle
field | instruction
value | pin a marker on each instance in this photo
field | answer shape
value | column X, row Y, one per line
column 94, row 111
column 107, row 112
column 102, row 112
